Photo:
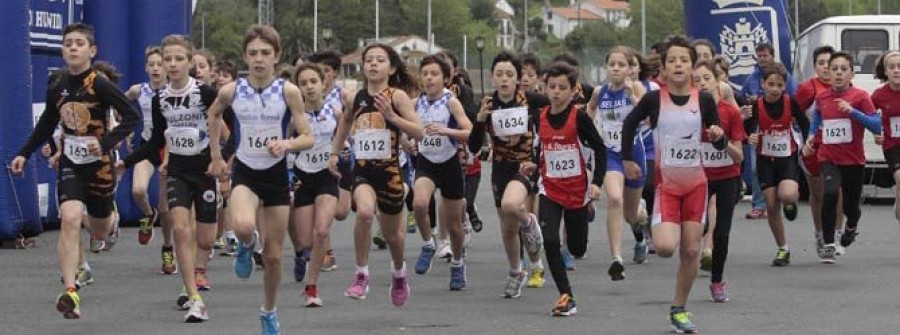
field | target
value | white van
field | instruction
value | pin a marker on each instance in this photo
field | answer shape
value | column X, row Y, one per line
column 866, row 37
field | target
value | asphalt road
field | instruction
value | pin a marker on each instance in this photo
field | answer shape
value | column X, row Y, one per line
column 857, row 295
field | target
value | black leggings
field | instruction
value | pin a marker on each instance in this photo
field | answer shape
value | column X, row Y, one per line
column 726, row 192
column 849, row 181
column 471, row 193
column 551, row 215
column 648, row 194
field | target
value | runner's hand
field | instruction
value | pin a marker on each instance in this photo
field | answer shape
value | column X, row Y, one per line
column 120, row 169
column 487, row 107
column 753, row 138
column 333, row 166
column 277, row 148
column 17, row 166
column 632, row 170
column 527, row 168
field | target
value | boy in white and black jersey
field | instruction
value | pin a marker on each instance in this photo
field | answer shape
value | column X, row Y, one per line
column 180, row 125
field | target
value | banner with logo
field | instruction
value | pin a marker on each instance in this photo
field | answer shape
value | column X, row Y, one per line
column 735, row 27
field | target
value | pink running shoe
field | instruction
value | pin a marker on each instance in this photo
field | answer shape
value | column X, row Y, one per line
column 718, row 292
column 358, row 287
column 399, row 290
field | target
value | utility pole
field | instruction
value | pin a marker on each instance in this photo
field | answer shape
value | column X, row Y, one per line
column 203, row 31
column 525, row 26
column 643, row 27
column 264, row 13
column 429, row 36
column 376, row 20
column 316, row 26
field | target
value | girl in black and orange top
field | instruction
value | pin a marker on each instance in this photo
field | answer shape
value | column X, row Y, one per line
column 380, row 113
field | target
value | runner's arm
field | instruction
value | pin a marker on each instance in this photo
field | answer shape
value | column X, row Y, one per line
column 591, row 138
column 43, row 130
column 157, row 137
column 109, row 94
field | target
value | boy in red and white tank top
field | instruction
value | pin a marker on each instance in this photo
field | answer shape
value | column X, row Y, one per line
column 680, row 115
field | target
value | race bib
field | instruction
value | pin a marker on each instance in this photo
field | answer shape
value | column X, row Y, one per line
column 563, row 163
column 373, row 144
column 510, row 121
column 681, row 152
column 612, row 133
column 256, row 139
column 314, row 159
column 183, row 141
column 715, row 158
column 776, row 145
column 895, row 126
column 432, row 144
column 837, row 131
column 76, row 149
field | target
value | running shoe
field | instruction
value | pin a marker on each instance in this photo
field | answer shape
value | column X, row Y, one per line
column 477, row 225
column 113, row 236
column 243, row 263
column 230, row 247
column 97, row 245
column 443, row 249
column 848, row 237
column 358, row 287
column 706, row 260
column 168, row 261
column 536, row 278
column 379, row 240
column 269, row 323
column 425, row 257
column 514, row 286
column 328, row 261
column 568, row 259
column 196, row 312
column 718, row 292
column 826, row 256
column 145, row 227
column 616, row 271
column 411, row 223
column 183, row 301
column 458, row 280
column 201, row 280
column 531, row 233
column 219, row 243
column 399, row 289
column 83, row 277
column 258, row 259
column 820, row 243
column 467, row 229
column 300, row 266
column 311, row 292
column 565, row 306
column 790, row 211
column 681, row 321
column 838, row 248
column 69, row 304
column 640, row 252
column 782, row 258
column 756, row 214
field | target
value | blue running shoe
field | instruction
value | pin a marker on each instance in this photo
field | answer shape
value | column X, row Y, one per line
column 243, row 261
column 568, row 259
column 269, row 323
column 458, row 277
column 300, row 266
column 425, row 257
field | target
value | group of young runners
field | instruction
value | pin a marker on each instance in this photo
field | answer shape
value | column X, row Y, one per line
column 245, row 161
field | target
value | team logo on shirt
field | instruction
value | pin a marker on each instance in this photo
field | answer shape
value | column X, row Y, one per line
column 209, row 196
column 76, row 115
